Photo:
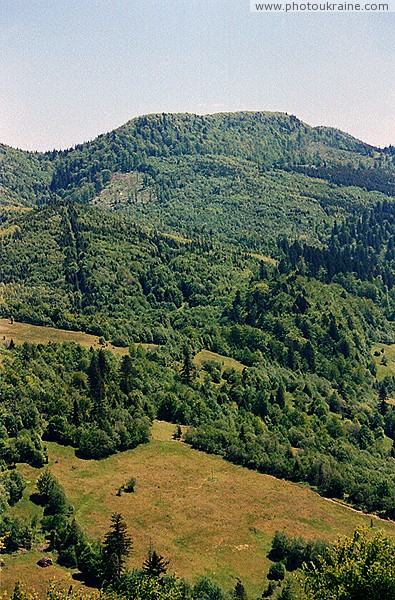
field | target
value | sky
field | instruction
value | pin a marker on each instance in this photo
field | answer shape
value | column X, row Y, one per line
column 72, row 69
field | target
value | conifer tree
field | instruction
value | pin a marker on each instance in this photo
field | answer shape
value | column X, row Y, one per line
column 155, row 565
column 116, row 548
column 188, row 368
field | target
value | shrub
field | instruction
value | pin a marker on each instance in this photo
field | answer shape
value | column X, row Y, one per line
column 276, row 572
column 130, row 485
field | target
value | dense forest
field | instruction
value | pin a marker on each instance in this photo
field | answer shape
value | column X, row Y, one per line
column 251, row 235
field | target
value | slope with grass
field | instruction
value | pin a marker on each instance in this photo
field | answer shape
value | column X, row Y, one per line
column 164, row 232
column 20, row 333
column 207, row 516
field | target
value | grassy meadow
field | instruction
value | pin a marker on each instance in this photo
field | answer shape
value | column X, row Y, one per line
column 207, row 516
column 205, row 356
column 36, row 334
column 384, row 358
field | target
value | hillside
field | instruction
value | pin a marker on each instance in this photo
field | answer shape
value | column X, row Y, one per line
column 24, row 177
column 232, row 200
column 266, row 140
column 194, row 508
column 228, row 273
column 76, row 267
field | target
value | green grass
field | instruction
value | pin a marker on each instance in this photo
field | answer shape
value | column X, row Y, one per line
column 225, row 361
column 207, row 516
column 35, row 334
column 384, row 358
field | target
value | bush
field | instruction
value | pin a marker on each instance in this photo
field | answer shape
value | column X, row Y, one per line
column 269, row 591
column 130, row 485
column 95, row 443
column 276, row 572
column 359, row 567
column 293, row 551
column 14, row 485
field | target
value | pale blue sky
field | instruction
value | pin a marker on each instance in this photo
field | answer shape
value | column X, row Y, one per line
column 72, row 69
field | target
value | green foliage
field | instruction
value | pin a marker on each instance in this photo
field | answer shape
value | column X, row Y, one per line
column 45, row 485
column 15, row 534
column 248, row 235
column 116, row 548
column 239, row 593
column 155, row 564
column 4, row 499
column 51, row 495
column 276, row 571
column 357, row 567
column 139, row 587
column 293, row 552
column 205, row 589
column 177, row 435
column 14, row 484
column 130, row 485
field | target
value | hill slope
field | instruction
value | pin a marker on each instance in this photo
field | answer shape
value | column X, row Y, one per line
column 268, row 140
column 214, row 239
column 194, row 508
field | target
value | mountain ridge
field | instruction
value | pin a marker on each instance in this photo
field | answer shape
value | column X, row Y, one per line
column 268, row 139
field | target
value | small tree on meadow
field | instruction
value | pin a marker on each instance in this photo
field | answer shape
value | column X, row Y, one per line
column 130, row 485
column 155, row 565
column 177, row 435
column 116, row 548
column 239, row 593
column 45, row 484
column 276, row 572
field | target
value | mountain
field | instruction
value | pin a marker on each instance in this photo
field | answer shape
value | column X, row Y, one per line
column 24, row 177
column 269, row 140
column 249, row 238
column 110, row 229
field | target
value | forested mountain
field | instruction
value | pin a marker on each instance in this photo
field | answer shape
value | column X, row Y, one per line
column 268, row 140
column 250, row 235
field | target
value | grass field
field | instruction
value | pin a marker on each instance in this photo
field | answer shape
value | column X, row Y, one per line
column 384, row 358
column 225, row 361
column 35, row 334
column 207, row 516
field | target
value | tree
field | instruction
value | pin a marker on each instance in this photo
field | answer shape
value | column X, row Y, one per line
column 116, row 548
column 280, row 396
column 155, row 564
column 57, row 501
column 130, row 485
column 357, row 568
column 127, row 373
column 4, row 499
column 188, row 368
column 45, row 484
column 276, row 572
column 96, row 380
column 207, row 589
column 177, row 435
column 239, row 593
column 14, row 484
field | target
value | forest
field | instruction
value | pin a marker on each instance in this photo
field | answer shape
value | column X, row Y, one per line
column 250, row 235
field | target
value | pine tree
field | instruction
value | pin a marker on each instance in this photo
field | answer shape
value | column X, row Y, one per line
column 188, row 368
column 117, row 546
column 177, row 435
column 280, row 396
column 239, row 592
column 126, row 375
column 155, row 565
